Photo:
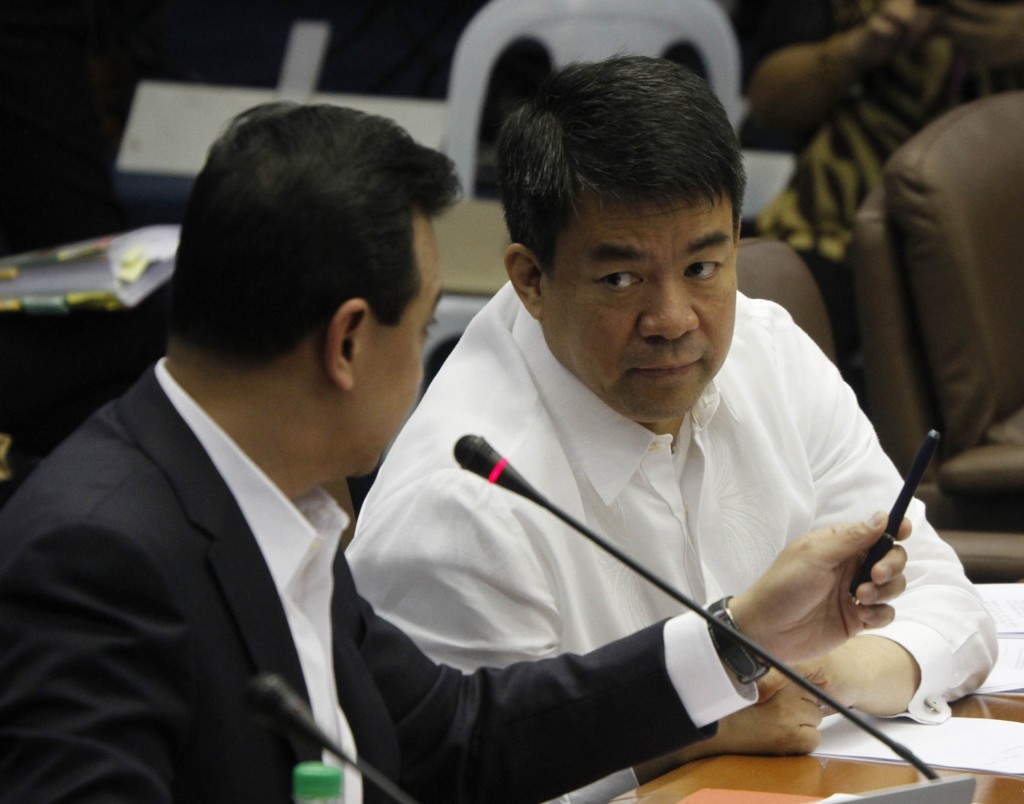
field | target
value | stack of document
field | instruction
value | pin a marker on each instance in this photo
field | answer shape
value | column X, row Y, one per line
column 965, row 743
column 980, row 744
column 1005, row 602
column 105, row 273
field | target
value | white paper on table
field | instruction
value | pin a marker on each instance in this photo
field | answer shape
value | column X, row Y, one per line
column 967, row 743
column 1005, row 602
column 1008, row 673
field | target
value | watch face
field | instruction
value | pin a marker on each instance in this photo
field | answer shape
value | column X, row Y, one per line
column 734, row 655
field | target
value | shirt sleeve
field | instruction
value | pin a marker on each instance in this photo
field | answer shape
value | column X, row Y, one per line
column 708, row 691
column 493, row 603
column 940, row 618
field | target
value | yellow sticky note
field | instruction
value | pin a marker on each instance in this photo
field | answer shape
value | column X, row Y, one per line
column 94, row 299
column 132, row 264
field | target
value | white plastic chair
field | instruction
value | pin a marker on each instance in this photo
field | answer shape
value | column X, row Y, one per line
column 583, row 30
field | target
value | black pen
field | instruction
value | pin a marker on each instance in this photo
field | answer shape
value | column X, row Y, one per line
column 899, row 509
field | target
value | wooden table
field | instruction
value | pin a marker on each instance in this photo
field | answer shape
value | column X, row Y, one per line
column 820, row 776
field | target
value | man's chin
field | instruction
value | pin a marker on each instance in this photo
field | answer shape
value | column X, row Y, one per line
column 650, row 403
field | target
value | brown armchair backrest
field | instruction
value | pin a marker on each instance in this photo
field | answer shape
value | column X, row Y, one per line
column 771, row 269
column 939, row 269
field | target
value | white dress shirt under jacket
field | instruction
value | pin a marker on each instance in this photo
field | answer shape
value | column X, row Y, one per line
column 298, row 542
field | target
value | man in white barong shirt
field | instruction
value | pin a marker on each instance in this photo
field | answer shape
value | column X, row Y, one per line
column 624, row 376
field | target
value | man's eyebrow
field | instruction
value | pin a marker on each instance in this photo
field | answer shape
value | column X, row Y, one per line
column 708, row 240
column 616, row 252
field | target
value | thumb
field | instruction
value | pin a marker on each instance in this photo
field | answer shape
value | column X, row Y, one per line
column 865, row 534
column 845, row 542
column 770, row 684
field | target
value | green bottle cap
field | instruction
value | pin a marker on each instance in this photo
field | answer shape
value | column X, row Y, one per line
column 316, row 780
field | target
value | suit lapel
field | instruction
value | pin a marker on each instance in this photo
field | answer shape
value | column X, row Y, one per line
column 234, row 557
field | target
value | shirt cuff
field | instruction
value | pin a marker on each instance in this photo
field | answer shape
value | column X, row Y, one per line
column 707, row 690
column 929, row 704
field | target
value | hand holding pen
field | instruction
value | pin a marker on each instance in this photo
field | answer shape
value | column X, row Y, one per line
column 899, row 510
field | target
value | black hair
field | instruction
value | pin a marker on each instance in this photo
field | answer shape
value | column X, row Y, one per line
column 298, row 209
column 631, row 129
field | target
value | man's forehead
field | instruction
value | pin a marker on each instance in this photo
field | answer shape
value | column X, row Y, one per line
column 590, row 206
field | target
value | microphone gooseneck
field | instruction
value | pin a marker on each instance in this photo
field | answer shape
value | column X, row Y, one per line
column 476, row 455
column 275, row 704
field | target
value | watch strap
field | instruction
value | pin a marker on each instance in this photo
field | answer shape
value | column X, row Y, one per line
column 744, row 664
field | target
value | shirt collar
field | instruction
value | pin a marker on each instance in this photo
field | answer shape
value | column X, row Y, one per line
column 285, row 531
column 608, row 461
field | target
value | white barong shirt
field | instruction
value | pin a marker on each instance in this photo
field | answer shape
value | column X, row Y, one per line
column 775, row 447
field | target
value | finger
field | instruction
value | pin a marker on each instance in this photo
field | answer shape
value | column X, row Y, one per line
column 873, row 594
column 888, row 591
column 905, row 529
column 890, row 566
column 885, row 30
column 861, row 535
column 897, row 12
column 875, row 616
column 810, row 738
column 768, row 686
column 815, row 714
column 887, row 579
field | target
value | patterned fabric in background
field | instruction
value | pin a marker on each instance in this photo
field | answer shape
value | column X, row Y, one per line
column 842, row 162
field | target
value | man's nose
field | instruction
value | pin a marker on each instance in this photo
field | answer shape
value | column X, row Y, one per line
column 668, row 314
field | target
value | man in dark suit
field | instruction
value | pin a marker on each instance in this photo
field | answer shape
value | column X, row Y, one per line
column 179, row 543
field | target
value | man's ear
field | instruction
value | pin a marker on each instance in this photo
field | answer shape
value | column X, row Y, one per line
column 346, row 341
column 524, row 271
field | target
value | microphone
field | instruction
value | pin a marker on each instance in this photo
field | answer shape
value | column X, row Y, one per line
column 275, row 704
column 476, row 455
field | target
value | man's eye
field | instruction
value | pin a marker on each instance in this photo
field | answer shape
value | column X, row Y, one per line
column 702, row 270
column 619, row 280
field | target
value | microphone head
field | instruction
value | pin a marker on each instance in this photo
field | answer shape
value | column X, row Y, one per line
column 475, row 454
column 269, row 696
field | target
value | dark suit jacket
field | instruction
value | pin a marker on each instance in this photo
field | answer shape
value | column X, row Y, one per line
column 135, row 606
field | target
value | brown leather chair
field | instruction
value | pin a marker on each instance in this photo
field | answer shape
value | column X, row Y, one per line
column 938, row 263
column 770, row 269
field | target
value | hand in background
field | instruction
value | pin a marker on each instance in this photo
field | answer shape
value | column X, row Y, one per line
column 895, row 24
column 796, row 87
column 990, row 32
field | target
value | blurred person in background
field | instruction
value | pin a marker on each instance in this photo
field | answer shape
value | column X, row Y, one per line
column 849, row 81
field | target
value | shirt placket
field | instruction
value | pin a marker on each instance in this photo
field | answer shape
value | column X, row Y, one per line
column 312, row 594
column 661, row 472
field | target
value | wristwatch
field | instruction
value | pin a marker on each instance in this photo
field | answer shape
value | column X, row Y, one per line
column 745, row 665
